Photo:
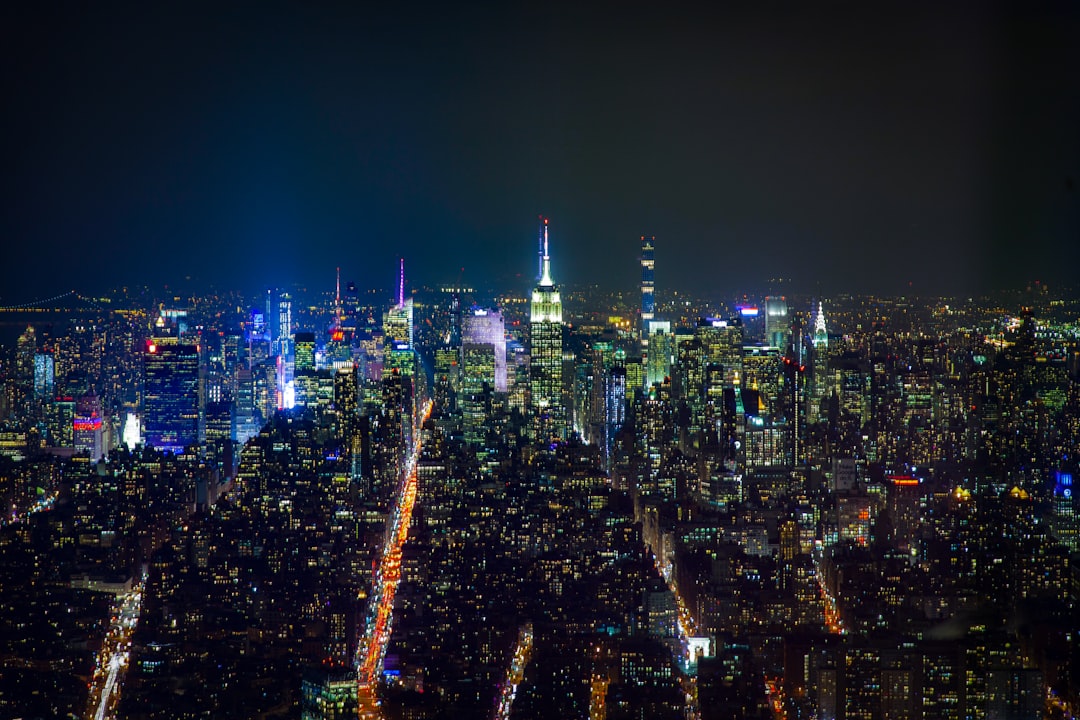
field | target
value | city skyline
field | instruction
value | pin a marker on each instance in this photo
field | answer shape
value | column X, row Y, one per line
column 779, row 421
column 434, row 506
column 876, row 150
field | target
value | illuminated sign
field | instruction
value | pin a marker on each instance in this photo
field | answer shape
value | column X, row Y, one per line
column 748, row 311
column 904, row 480
column 87, row 423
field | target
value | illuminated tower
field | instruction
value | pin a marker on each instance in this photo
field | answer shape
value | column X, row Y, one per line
column 284, row 322
column 398, row 329
column 545, row 353
column 777, row 325
column 820, row 366
column 398, row 321
column 44, row 376
column 337, row 335
column 283, row 349
column 270, row 313
column 25, row 350
column 648, row 286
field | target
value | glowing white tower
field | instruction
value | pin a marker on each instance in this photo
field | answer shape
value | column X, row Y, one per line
column 545, row 353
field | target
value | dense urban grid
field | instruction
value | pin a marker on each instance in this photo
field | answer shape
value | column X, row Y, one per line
column 556, row 502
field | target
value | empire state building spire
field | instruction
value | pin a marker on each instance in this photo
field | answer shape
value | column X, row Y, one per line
column 545, row 260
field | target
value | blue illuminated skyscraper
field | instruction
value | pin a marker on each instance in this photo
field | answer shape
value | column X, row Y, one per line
column 171, row 394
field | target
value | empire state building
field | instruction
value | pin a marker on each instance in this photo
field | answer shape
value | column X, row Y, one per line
column 545, row 353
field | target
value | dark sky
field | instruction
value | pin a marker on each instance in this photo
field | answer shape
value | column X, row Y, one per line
column 855, row 148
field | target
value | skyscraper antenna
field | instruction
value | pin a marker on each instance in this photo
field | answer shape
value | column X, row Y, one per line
column 337, row 301
column 401, row 284
column 545, row 258
column 541, row 250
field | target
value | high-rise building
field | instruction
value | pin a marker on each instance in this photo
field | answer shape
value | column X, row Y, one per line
column 88, row 427
column 25, row 354
column 171, row 394
column 777, row 325
column 648, row 285
column 486, row 327
column 284, row 316
column 820, row 366
column 217, row 449
column 762, row 372
column 305, row 352
column 398, row 321
column 44, row 376
column 545, row 353
column 478, row 368
column 659, row 351
column 59, row 421
column 722, row 343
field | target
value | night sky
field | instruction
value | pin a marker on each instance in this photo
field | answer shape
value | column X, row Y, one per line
column 247, row 145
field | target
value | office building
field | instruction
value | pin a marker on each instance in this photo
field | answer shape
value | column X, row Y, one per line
column 171, row 394
column 777, row 324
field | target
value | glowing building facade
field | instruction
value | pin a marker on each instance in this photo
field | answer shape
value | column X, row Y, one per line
column 486, row 327
column 171, row 394
column 820, row 388
column 777, row 324
column 648, row 285
column 545, row 353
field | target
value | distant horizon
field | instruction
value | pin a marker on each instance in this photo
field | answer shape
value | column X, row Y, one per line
column 192, row 286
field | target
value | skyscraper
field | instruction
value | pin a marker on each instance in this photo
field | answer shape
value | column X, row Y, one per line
column 648, row 286
column 483, row 368
column 25, row 352
column 44, row 376
column 88, row 427
column 486, row 327
column 171, row 394
column 820, row 342
column 398, row 321
column 545, row 353
column 777, row 325
column 398, row 329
